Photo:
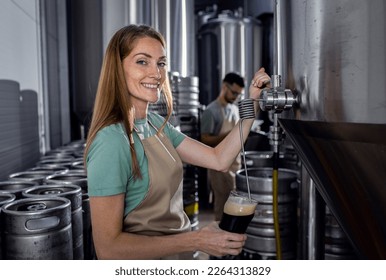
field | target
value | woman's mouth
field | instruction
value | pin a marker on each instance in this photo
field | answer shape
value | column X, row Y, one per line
column 151, row 86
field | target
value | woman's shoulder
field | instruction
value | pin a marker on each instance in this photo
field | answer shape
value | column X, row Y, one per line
column 111, row 130
column 111, row 141
column 112, row 134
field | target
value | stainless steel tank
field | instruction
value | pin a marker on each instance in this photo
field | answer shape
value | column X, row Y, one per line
column 334, row 57
column 175, row 20
column 227, row 43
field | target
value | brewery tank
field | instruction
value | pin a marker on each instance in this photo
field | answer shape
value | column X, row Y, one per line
column 175, row 20
column 226, row 43
column 334, row 60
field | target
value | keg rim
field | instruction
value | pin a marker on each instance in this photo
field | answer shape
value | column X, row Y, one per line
column 48, row 168
column 270, row 169
column 75, row 189
column 65, row 203
column 78, row 174
column 27, row 183
column 17, row 181
column 43, row 174
column 11, row 197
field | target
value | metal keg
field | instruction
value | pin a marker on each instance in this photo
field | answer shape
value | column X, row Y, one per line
column 188, row 93
column 257, row 158
column 59, row 153
column 16, row 187
column 31, row 176
column 75, row 145
column 76, row 173
column 74, row 194
column 78, row 165
column 52, row 169
column 54, row 163
column 4, row 199
column 58, row 156
column 337, row 245
column 188, row 105
column 38, row 229
column 79, row 154
column 261, row 234
column 79, row 179
column 288, row 159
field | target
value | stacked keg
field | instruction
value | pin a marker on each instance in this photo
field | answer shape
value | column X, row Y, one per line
column 188, row 119
column 188, row 105
column 261, row 241
column 79, row 178
column 160, row 106
column 74, row 194
column 336, row 246
column 49, row 217
column 288, row 159
column 4, row 199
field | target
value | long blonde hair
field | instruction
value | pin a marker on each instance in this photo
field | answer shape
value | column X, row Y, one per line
column 113, row 100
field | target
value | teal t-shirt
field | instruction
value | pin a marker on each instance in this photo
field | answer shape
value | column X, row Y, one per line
column 109, row 168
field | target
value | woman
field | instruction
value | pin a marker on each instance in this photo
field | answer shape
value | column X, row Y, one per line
column 134, row 158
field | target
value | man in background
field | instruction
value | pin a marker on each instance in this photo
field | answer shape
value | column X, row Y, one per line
column 218, row 119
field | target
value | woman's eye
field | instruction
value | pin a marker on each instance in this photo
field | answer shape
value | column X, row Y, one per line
column 142, row 62
column 162, row 64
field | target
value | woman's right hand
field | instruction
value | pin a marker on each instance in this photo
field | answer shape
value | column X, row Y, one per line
column 217, row 242
column 259, row 81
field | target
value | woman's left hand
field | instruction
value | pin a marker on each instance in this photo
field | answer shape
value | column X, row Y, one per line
column 259, row 81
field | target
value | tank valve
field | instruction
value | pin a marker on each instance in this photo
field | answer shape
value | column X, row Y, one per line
column 276, row 99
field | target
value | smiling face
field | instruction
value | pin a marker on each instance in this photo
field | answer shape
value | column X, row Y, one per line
column 145, row 72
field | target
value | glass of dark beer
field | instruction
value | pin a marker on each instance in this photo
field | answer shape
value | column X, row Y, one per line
column 239, row 210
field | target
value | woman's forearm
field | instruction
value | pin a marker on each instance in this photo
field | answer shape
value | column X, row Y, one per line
column 210, row 239
column 133, row 246
column 230, row 147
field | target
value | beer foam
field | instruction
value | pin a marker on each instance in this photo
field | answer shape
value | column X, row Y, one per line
column 239, row 208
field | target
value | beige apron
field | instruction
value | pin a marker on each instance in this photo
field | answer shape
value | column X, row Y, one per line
column 161, row 212
column 222, row 183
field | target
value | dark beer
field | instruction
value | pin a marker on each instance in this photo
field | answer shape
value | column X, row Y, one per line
column 238, row 213
column 237, row 224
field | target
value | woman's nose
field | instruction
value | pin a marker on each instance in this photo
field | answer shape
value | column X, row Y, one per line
column 155, row 72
